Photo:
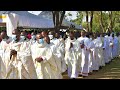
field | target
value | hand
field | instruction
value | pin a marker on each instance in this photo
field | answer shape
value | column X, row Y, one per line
column 13, row 52
column 39, row 59
column 71, row 45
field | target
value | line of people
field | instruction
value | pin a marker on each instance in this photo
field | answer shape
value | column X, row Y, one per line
column 48, row 55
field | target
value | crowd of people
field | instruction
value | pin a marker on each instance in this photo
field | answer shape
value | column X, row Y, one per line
column 47, row 55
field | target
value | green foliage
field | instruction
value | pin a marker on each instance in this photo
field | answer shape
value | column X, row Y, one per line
column 106, row 20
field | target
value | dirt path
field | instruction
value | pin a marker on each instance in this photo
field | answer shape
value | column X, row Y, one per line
column 110, row 71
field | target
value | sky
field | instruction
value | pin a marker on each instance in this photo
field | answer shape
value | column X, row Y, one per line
column 72, row 12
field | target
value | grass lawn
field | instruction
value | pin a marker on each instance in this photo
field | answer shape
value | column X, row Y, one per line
column 109, row 71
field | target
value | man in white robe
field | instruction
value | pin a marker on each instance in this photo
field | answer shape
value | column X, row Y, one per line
column 20, row 64
column 100, row 43
column 3, row 45
column 43, row 57
column 84, row 45
column 56, row 52
column 72, row 50
column 59, row 43
column 95, row 54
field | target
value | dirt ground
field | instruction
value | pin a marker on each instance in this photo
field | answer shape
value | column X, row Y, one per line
column 109, row 71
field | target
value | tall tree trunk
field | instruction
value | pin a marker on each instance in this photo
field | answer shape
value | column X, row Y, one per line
column 91, row 20
column 111, row 23
column 87, row 21
column 101, row 22
column 58, row 18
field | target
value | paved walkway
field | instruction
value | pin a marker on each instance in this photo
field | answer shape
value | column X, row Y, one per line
column 110, row 71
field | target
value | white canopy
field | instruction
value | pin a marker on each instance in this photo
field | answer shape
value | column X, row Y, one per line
column 48, row 15
column 25, row 19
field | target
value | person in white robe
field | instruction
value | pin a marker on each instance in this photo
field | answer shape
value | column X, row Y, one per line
column 95, row 54
column 20, row 64
column 72, row 50
column 56, row 52
column 84, row 45
column 43, row 57
column 33, row 38
column 115, row 46
column 100, row 42
column 59, row 43
column 3, row 45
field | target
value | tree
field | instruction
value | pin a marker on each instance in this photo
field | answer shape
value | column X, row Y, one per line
column 58, row 17
column 91, row 20
column 87, row 28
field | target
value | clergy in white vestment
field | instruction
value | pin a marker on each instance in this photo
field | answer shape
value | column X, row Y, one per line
column 100, row 42
column 3, row 45
column 56, row 53
column 115, row 46
column 72, row 50
column 33, row 38
column 17, row 60
column 43, row 57
column 59, row 43
column 84, row 41
column 95, row 54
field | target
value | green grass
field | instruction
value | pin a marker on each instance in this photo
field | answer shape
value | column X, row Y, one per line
column 109, row 71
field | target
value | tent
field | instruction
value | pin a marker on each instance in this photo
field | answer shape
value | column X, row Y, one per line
column 65, row 23
column 24, row 19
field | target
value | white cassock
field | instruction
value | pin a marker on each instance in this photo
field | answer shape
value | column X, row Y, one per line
column 96, row 59
column 59, row 44
column 84, row 56
column 3, row 46
column 100, row 51
column 20, row 66
column 119, row 44
column 111, row 47
column 72, row 57
column 91, row 56
column 57, row 56
column 46, row 69
column 105, row 51
column 115, row 47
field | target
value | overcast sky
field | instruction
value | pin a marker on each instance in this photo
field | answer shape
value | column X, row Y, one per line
column 72, row 12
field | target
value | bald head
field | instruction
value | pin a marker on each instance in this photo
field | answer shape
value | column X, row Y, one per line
column 44, row 34
column 16, row 32
column 47, row 39
column 3, row 34
column 83, row 33
column 38, row 36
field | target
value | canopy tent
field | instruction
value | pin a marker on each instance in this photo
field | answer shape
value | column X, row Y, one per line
column 65, row 23
column 24, row 19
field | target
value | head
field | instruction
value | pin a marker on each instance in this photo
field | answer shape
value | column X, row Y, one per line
column 47, row 40
column 71, row 35
column 3, row 34
column 44, row 34
column 113, row 35
column 83, row 33
column 87, row 35
column 51, row 35
column 16, row 35
column 57, row 35
column 23, row 35
column 95, row 35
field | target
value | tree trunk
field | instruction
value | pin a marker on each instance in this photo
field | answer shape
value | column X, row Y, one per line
column 91, row 21
column 87, row 21
column 57, row 20
column 101, row 22
column 111, row 23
